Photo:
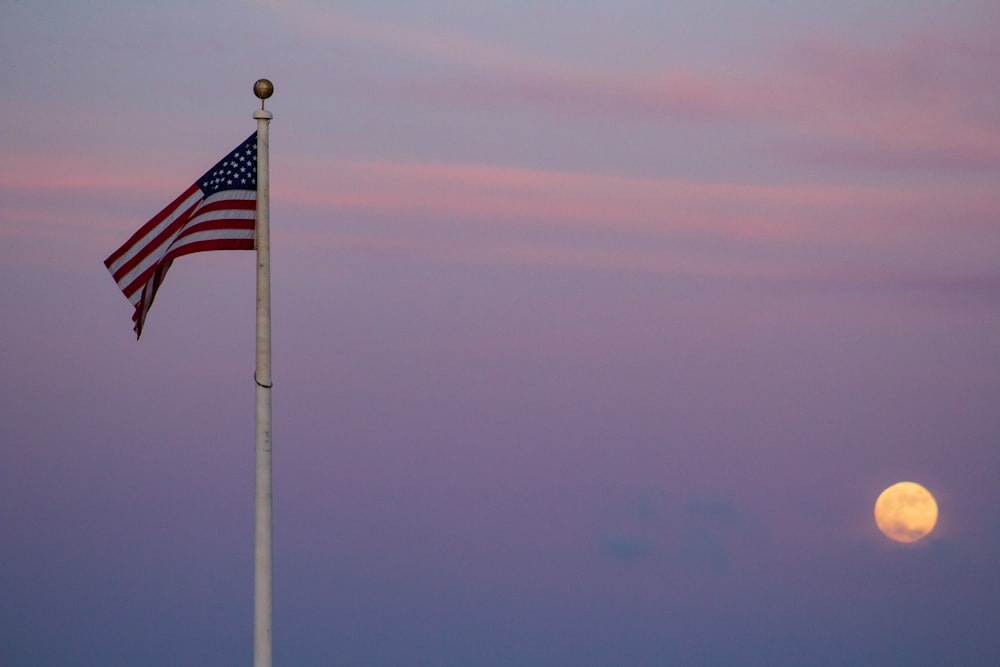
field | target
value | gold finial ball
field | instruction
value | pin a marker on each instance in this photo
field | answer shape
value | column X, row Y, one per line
column 263, row 88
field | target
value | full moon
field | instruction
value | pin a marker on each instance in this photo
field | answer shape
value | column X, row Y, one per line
column 906, row 512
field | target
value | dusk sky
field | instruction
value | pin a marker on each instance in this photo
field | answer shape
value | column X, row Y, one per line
column 598, row 329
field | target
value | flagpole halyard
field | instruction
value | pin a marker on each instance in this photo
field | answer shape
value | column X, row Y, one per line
column 262, row 650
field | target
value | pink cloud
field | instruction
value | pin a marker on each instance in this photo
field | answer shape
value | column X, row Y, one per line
column 669, row 94
column 354, row 32
column 475, row 213
column 519, row 196
column 930, row 102
column 500, row 72
column 927, row 102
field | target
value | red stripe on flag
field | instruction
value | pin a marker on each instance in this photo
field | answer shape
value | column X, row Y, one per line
column 149, row 226
column 214, row 244
column 140, row 253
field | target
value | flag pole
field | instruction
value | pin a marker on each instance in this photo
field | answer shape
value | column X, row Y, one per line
column 262, row 377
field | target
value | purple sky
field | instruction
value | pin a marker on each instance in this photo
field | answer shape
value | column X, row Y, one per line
column 598, row 328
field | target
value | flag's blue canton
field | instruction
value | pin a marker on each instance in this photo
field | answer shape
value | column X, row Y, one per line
column 236, row 171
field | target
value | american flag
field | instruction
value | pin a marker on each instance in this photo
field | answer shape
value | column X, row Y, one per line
column 216, row 213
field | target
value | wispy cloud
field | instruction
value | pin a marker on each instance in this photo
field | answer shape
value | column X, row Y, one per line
column 516, row 195
column 354, row 33
column 918, row 104
column 674, row 94
column 626, row 548
column 696, row 535
column 922, row 102
column 930, row 102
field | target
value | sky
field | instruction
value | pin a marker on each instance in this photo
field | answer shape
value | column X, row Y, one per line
column 598, row 329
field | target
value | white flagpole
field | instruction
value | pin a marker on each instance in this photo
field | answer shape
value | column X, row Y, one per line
column 262, row 377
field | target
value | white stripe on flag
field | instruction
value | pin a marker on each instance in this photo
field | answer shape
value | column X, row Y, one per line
column 140, row 245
